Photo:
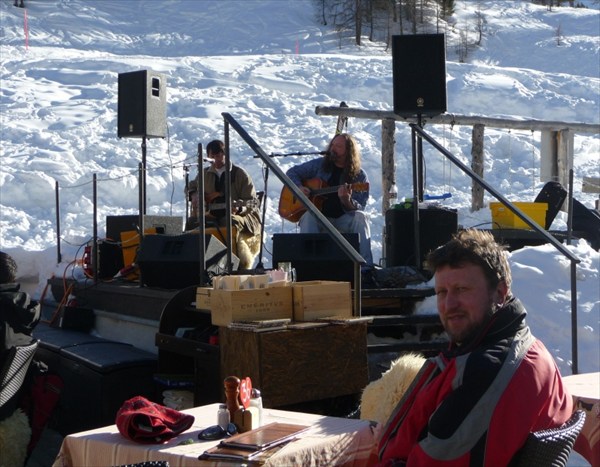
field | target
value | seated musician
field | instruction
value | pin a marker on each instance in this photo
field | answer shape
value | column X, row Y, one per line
column 245, row 210
column 340, row 167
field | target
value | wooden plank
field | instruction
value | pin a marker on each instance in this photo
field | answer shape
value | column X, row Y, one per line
column 591, row 185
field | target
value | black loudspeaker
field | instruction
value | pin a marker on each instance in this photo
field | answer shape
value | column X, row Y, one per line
column 437, row 225
column 315, row 256
column 110, row 259
column 142, row 105
column 173, row 261
column 419, row 71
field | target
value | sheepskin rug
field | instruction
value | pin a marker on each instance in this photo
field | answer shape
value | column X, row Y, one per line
column 15, row 434
column 380, row 397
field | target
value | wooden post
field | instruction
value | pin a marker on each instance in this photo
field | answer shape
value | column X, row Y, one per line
column 477, row 166
column 388, row 163
column 564, row 155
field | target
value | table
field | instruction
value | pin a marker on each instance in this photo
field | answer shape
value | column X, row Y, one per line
column 585, row 389
column 329, row 441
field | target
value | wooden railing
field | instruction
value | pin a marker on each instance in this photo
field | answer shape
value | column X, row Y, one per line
column 560, row 134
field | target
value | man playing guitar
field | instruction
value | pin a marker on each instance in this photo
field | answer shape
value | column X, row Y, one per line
column 245, row 212
column 343, row 207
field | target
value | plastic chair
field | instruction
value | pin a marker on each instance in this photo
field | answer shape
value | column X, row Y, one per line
column 550, row 447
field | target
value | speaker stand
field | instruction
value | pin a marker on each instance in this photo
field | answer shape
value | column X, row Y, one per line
column 418, row 167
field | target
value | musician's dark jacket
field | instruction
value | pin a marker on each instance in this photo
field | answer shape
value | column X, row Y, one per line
column 314, row 169
column 242, row 189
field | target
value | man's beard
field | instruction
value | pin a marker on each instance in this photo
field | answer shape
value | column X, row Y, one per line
column 473, row 330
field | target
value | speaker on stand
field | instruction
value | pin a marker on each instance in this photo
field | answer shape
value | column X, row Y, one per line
column 419, row 77
column 142, row 113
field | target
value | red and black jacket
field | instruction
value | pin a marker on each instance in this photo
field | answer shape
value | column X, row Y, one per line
column 476, row 404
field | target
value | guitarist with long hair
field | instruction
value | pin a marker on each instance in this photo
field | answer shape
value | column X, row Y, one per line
column 339, row 187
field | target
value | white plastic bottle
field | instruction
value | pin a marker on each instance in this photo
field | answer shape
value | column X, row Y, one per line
column 256, row 401
column 392, row 195
column 223, row 416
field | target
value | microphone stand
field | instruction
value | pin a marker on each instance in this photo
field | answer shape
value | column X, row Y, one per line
column 201, row 215
column 260, row 267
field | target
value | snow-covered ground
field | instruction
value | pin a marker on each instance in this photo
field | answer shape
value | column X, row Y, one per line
column 269, row 63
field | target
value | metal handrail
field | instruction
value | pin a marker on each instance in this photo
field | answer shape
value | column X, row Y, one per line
column 346, row 247
column 416, row 129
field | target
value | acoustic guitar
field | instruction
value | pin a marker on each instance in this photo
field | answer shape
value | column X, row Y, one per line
column 292, row 209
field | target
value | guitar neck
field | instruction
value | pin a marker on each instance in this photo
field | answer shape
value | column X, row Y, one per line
column 234, row 204
column 326, row 190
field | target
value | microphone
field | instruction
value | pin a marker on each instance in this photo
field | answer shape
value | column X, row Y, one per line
column 324, row 153
column 199, row 149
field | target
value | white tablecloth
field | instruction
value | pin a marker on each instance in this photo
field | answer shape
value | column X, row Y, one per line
column 329, row 441
column 585, row 389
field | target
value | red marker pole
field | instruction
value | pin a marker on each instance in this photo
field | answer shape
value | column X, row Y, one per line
column 26, row 31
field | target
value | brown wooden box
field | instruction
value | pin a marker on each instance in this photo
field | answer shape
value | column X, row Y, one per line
column 300, row 365
column 254, row 304
column 321, row 299
column 203, row 298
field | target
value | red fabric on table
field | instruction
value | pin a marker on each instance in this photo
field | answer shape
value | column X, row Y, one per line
column 144, row 421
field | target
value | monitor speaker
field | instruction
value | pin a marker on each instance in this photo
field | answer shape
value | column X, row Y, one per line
column 173, row 261
column 436, row 227
column 142, row 107
column 419, row 73
column 315, row 256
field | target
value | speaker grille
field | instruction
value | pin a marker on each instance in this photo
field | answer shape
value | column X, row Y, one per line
column 142, row 106
column 419, row 70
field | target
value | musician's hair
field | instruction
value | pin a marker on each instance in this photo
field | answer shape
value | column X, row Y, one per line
column 215, row 145
column 352, row 168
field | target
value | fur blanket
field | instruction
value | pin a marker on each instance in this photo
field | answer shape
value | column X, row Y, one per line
column 15, row 433
column 380, row 397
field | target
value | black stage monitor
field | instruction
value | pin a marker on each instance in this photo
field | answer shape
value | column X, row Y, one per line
column 315, row 256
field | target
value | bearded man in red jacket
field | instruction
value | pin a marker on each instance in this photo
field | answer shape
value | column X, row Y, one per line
column 475, row 403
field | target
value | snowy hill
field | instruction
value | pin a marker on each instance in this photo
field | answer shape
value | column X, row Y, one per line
column 269, row 63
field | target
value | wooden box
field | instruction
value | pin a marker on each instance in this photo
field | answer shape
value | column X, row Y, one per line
column 252, row 304
column 299, row 365
column 203, row 298
column 321, row 299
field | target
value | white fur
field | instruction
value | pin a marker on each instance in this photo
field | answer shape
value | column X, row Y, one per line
column 380, row 397
column 248, row 247
column 15, row 434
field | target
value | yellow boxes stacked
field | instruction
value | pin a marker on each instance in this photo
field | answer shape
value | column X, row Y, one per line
column 321, row 299
column 504, row 218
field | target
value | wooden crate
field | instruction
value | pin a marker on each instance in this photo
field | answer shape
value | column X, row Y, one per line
column 203, row 298
column 299, row 365
column 321, row 299
column 253, row 304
